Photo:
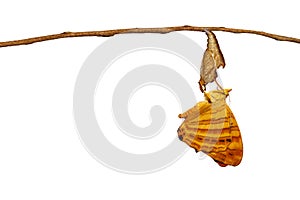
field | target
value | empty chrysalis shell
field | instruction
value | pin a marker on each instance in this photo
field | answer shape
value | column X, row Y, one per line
column 212, row 60
column 213, row 46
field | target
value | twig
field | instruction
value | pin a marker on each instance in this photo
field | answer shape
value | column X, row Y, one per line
column 108, row 33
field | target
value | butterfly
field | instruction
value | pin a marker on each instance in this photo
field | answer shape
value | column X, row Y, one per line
column 211, row 127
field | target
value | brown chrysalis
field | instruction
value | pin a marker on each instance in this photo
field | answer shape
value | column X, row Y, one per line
column 212, row 60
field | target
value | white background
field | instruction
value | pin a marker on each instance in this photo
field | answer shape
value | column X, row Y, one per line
column 41, row 156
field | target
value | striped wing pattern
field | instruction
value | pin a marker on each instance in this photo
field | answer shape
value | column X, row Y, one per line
column 211, row 127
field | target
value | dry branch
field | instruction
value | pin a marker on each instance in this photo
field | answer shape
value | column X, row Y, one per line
column 108, row 33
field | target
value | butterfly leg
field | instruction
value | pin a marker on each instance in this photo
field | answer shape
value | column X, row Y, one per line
column 219, row 86
column 202, row 85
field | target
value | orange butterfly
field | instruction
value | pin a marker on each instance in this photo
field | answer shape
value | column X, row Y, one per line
column 210, row 127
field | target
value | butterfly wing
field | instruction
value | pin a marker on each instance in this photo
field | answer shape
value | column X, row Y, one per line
column 212, row 129
column 231, row 139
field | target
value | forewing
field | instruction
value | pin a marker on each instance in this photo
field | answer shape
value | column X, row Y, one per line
column 212, row 129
